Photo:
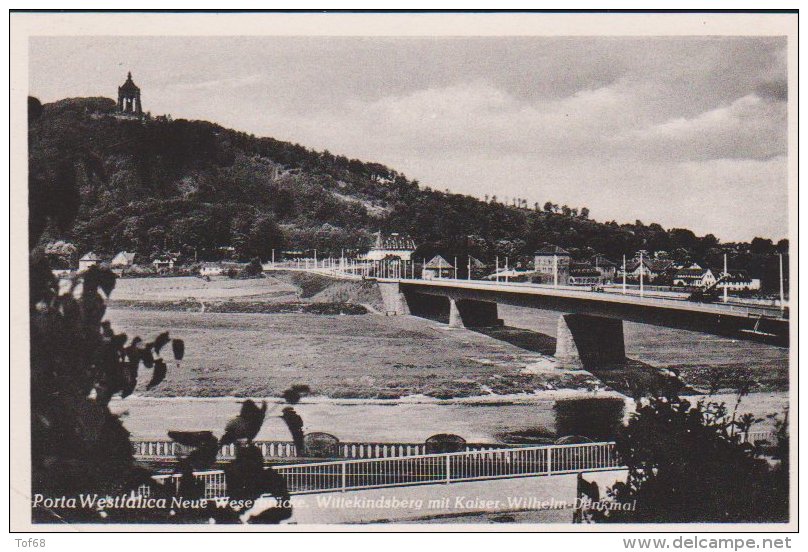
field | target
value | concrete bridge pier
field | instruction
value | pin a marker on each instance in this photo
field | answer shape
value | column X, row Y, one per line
column 455, row 320
column 477, row 314
column 469, row 313
column 585, row 341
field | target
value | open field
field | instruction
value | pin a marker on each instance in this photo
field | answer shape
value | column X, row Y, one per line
column 218, row 289
column 367, row 356
column 380, row 378
column 371, row 356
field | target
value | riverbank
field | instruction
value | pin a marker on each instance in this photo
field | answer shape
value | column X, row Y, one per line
column 411, row 419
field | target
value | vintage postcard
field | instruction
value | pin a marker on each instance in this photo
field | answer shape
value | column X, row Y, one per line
column 411, row 271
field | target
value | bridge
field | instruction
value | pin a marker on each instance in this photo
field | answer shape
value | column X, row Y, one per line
column 591, row 326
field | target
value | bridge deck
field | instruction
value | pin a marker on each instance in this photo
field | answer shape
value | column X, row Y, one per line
column 756, row 323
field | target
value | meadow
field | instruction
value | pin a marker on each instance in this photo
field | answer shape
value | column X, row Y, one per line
column 376, row 356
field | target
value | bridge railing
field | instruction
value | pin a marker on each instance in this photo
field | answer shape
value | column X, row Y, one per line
column 346, row 475
column 162, row 449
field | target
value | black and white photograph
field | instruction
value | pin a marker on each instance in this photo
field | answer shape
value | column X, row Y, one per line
column 423, row 271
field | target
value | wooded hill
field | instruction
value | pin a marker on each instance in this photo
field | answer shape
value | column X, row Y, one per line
column 162, row 184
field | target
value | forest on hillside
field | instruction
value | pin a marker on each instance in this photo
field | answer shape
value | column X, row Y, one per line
column 195, row 187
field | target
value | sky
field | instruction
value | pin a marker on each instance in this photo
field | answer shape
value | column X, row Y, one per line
column 688, row 132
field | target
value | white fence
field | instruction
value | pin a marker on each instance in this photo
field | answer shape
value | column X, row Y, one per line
column 163, row 450
column 759, row 437
column 345, row 475
column 215, row 484
column 447, row 468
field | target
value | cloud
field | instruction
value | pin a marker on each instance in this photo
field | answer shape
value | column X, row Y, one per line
column 613, row 123
column 748, row 128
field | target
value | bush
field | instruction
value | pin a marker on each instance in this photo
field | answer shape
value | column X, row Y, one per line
column 596, row 418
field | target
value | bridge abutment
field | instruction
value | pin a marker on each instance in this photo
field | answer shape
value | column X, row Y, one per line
column 393, row 299
column 586, row 341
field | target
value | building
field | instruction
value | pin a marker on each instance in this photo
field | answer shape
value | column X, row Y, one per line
column 737, row 280
column 584, row 274
column 164, row 262
column 437, row 268
column 124, row 259
column 391, row 246
column 129, row 99
column 211, row 269
column 89, row 259
column 607, row 268
column 650, row 269
column 552, row 264
column 694, row 277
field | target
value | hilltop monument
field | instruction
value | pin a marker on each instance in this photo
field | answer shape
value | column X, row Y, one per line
column 129, row 98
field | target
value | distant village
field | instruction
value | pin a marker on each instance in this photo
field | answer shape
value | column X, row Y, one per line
column 394, row 255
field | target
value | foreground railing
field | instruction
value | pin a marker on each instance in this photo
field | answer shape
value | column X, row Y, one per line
column 759, row 437
column 215, row 483
column 157, row 450
column 448, row 468
column 345, row 475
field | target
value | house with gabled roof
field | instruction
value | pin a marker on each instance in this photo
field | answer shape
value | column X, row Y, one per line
column 437, row 268
column 392, row 246
column 89, row 259
column 552, row 263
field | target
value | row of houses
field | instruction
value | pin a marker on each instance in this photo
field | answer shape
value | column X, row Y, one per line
column 125, row 260
column 552, row 264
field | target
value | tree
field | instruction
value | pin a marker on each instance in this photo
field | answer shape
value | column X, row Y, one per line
column 78, row 363
column 585, row 212
column 62, row 254
column 760, row 246
column 686, row 463
column 265, row 235
column 253, row 268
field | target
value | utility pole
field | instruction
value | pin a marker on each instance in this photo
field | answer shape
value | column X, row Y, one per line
column 496, row 270
column 507, row 278
column 455, row 267
column 273, row 258
column 782, row 288
column 726, row 277
column 468, row 276
column 642, row 271
column 555, row 270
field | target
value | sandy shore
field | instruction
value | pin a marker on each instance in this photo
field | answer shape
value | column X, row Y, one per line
column 412, row 419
